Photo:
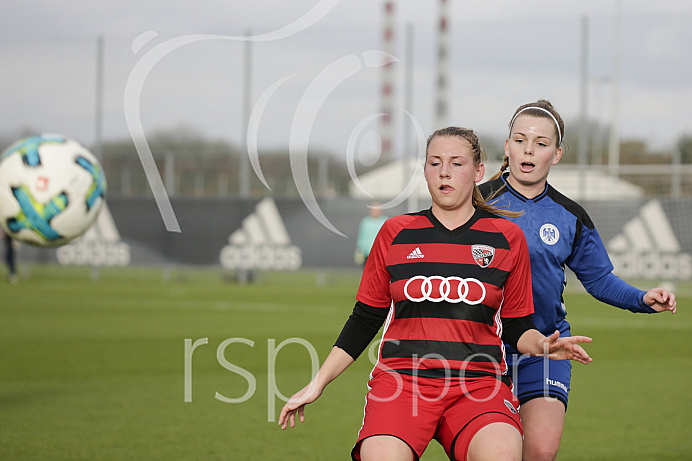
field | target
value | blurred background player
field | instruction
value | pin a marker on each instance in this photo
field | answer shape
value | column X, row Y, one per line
column 439, row 277
column 367, row 231
column 10, row 257
column 558, row 232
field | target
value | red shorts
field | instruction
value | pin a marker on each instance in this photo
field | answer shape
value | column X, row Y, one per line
column 418, row 410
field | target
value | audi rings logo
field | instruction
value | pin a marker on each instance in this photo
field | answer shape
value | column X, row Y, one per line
column 451, row 289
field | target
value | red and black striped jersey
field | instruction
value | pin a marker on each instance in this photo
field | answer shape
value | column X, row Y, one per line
column 447, row 291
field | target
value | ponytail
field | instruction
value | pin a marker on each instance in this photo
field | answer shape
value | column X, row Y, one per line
column 505, row 165
column 480, row 202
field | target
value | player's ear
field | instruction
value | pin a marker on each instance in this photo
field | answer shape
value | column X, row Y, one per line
column 480, row 172
column 557, row 156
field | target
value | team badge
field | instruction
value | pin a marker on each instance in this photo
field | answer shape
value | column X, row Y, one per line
column 549, row 234
column 482, row 254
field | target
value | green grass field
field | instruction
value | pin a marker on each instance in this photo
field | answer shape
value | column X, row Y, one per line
column 93, row 368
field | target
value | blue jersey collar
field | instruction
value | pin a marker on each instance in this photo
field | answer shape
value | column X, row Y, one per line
column 519, row 195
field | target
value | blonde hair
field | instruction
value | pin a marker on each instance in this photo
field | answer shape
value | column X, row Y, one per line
column 479, row 156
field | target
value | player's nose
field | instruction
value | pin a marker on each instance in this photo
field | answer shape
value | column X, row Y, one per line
column 444, row 171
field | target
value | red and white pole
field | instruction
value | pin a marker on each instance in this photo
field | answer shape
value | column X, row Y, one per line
column 442, row 97
column 387, row 94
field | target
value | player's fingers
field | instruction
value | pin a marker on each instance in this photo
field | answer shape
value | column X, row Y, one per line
column 282, row 418
column 582, row 361
column 662, row 296
column 551, row 342
column 301, row 412
column 581, row 355
column 287, row 420
column 581, row 339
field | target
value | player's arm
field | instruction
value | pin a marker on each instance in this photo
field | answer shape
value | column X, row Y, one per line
column 337, row 361
column 521, row 334
column 519, row 330
column 532, row 342
column 591, row 264
column 360, row 328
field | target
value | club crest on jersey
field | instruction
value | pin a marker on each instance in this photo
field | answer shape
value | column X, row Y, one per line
column 549, row 234
column 483, row 254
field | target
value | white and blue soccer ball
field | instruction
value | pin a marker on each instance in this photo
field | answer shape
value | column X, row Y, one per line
column 51, row 190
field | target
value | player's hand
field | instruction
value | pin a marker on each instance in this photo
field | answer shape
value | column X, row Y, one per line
column 661, row 300
column 296, row 404
column 567, row 348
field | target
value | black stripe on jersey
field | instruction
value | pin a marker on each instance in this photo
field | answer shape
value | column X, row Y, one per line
column 490, row 275
column 479, row 313
column 442, row 373
column 570, row 205
column 458, row 236
column 441, row 350
column 583, row 219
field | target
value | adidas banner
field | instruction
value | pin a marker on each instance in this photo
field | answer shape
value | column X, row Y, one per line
column 646, row 239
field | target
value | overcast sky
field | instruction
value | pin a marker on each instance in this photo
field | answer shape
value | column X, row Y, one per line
column 181, row 64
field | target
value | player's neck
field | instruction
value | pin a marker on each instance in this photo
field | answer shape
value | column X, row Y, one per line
column 453, row 218
column 528, row 190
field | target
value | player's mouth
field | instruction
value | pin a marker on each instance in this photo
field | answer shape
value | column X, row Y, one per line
column 446, row 189
column 527, row 167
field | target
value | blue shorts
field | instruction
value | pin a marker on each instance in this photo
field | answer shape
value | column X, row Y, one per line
column 535, row 377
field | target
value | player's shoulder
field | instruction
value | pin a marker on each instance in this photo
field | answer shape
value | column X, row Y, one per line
column 570, row 206
column 491, row 187
column 394, row 224
column 501, row 224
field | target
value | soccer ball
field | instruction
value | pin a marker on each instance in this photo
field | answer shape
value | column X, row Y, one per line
column 51, row 190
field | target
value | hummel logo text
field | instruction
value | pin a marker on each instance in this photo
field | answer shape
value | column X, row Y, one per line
column 416, row 254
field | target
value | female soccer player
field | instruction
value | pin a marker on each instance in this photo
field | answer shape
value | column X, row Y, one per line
column 451, row 282
column 559, row 233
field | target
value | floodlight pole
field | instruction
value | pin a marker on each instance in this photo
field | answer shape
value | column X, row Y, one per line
column 614, row 144
column 676, row 183
column 98, row 122
column 98, row 128
column 244, row 170
column 583, row 108
column 410, row 153
column 442, row 96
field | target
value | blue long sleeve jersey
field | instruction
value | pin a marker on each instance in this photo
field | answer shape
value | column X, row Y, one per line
column 560, row 233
